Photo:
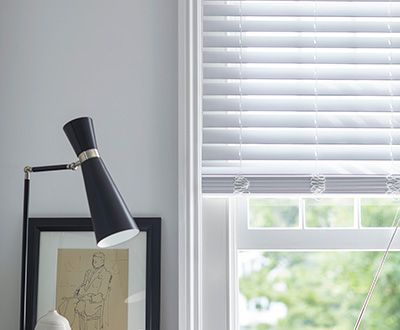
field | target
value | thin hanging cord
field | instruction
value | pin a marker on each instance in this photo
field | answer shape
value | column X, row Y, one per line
column 240, row 183
column 391, row 99
column 240, row 90
column 317, row 181
column 377, row 275
column 391, row 84
column 392, row 182
column 316, row 89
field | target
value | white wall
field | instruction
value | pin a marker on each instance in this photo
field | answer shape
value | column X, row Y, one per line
column 115, row 61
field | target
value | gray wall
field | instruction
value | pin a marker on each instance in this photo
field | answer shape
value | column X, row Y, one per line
column 115, row 61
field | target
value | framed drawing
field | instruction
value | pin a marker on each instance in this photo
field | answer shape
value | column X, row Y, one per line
column 108, row 289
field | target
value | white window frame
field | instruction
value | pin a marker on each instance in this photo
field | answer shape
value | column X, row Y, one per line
column 190, row 197
column 232, row 211
column 189, row 164
column 307, row 239
column 303, row 239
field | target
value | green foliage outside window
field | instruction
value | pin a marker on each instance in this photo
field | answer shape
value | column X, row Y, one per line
column 329, row 212
column 378, row 212
column 326, row 290
column 325, row 213
column 273, row 212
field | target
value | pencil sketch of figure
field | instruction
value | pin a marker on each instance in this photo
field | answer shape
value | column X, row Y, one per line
column 86, row 308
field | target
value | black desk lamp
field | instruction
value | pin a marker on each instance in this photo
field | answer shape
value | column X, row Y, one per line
column 112, row 222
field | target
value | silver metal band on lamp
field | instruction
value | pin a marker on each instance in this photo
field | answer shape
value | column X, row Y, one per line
column 85, row 155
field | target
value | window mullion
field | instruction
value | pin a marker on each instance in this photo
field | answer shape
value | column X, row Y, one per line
column 302, row 213
column 233, row 283
column 357, row 212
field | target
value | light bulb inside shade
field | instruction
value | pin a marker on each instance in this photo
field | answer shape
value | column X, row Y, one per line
column 118, row 238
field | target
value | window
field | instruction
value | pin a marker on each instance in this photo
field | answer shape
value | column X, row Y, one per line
column 285, row 274
column 291, row 89
column 316, row 275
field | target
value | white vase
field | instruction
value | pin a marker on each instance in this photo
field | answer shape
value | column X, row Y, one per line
column 53, row 321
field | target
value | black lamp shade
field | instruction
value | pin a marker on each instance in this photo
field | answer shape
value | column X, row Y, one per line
column 112, row 222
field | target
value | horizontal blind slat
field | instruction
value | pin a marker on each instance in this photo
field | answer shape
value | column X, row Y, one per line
column 300, row 87
column 300, row 24
column 301, row 71
column 217, row 169
column 301, row 55
column 300, row 103
column 302, row 8
column 301, row 40
column 298, row 152
column 271, row 119
column 305, row 135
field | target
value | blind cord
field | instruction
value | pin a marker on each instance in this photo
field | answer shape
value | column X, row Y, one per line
column 240, row 183
column 317, row 180
column 377, row 274
column 392, row 182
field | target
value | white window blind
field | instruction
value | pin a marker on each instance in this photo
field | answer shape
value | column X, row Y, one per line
column 295, row 87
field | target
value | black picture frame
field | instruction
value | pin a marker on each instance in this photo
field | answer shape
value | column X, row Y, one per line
column 36, row 226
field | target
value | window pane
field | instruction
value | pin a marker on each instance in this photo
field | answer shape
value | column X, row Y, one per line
column 378, row 212
column 329, row 212
column 273, row 212
column 317, row 290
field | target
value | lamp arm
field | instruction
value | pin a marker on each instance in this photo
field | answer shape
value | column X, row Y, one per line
column 72, row 166
column 24, row 278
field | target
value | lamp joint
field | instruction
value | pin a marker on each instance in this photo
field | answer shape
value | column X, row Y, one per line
column 74, row 166
column 27, row 171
